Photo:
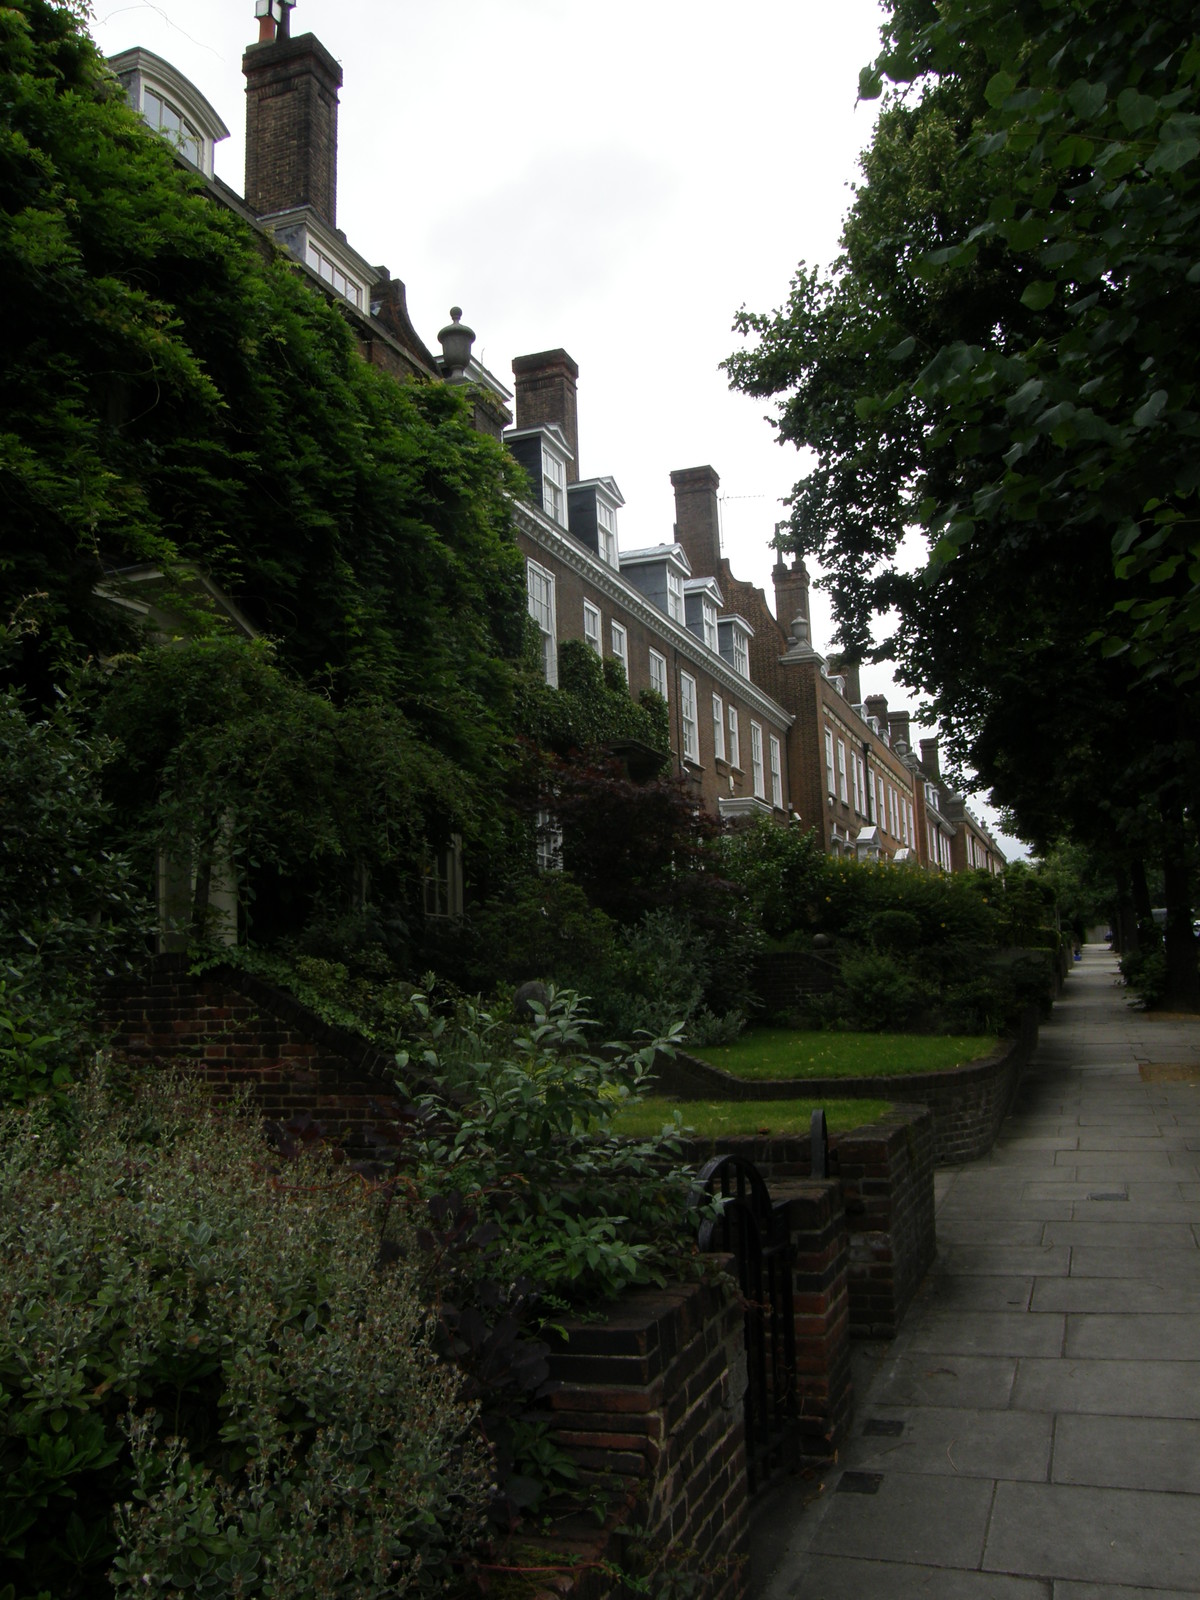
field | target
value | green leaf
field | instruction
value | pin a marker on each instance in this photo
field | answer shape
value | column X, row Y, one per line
column 870, row 83
column 1086, row 99
column 1037, row 296
column 999, row 86
column 904, row 348
column 1135, row 110
column 1151, row 410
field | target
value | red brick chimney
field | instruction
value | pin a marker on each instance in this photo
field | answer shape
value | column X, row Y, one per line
column 698, row 519
column 898, row 727
column 291, row 119
column 930, row 758
column 791, row 592
column 545, row 389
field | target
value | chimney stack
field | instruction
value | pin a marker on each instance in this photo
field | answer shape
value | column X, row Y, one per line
column 842, row 668
column 929, row 757
column 791, row 590
column 899, row 730
column 697, row 519
column 876, row 705
column 545, row 386
column 291, row 119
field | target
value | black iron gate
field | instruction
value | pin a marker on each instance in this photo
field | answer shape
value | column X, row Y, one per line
column 750, row 1226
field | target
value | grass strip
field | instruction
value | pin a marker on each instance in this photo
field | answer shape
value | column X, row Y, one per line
column 790, row 1053
column 713, row 1119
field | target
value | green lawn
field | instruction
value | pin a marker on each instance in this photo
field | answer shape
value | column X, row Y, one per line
column 788, row 1053
column 714, row 1118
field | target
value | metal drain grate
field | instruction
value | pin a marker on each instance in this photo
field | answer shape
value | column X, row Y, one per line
column 860, row 1483
column 883, row 1427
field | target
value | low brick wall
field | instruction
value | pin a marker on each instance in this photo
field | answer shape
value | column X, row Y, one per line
column 783, row 979
column 240, row 1033
column 816, row 1220
column 648, row 1403
column 968, row 1103
column 885, row 1174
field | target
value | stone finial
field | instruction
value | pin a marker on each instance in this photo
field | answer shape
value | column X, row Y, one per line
column 456, row 340
column 798, row 633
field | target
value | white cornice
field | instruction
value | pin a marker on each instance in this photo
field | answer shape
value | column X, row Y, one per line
column 601, row 576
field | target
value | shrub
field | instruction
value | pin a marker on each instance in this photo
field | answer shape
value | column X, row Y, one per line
column 1145, row 970
column 878, row 995
column 896, row 933
column 211, row 1386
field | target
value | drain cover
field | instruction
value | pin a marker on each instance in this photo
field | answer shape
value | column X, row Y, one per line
column 1108, row 1194
column 860, row 1483
column 883, row 1427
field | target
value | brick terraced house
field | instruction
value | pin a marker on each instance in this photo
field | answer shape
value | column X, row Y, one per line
column 761, row 724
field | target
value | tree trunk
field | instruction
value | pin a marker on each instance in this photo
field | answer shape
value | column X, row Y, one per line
column 1183, row 987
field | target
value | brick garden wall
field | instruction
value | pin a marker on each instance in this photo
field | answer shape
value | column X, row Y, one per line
column 885, row 1174
column 240, row 1033
column 968, row 1103
column 648, row 1402
column 816, row 1220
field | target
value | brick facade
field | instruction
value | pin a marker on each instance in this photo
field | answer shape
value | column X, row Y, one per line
column 291, row 127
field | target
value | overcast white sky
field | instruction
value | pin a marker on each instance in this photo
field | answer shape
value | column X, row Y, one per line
column 614, row 178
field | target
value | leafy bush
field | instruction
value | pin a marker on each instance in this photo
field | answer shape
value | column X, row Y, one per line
column 877, row 994
column 526, row 1139
column 210, row 1384
column 894, row 932
column 1145, row 970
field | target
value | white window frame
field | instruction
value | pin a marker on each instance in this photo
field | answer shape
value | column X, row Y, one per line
column 708, row 614
column 843, row 791
column 830, row 779
column 554, row 487
column 676, row 608
column 776, row 753
column 591, row 626
column 658, row 673
column 442, row 886
column 735, row 740
column 620, row 645
column 757, row 775
column 542, row 610
column 549, row 840
column 718, row 728
column 879, row 804
column 741, row 654
column 606, row 533
column 687, row 713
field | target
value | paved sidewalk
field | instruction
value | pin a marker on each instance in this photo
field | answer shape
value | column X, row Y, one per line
column 1034, row 1431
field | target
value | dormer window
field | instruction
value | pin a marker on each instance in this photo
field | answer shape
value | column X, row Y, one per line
column 325, row 267
column 545, row 455
column 606, row 524
column 171, row 105
column 554, row 487
column 674, row 595
column 735, row 634
column 170, row 121
column 701, row 599
column 660, row 572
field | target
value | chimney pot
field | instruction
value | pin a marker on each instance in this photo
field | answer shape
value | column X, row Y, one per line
column 456, row 340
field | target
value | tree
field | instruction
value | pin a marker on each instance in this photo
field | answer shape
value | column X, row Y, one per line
column 993, row 361
column 176, row 394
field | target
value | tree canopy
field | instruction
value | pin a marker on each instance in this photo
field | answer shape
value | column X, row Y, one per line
column 177, row 395
column 1004, row 357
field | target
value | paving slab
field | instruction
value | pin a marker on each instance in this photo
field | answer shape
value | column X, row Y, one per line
column 988, row 1333
column 1128, row 1453
column 911, row 1517
column 1109, row 1388
column 844, row 1578
column 976, row 1293
column 1119, row 1232
column 956, row 1227
column 1132, row 1295
column 954, row 1442
column 1065, row 1589
column 1135, row 1337
column 1152, row 1266
column 1097, row 1535
column 934, row 1380
column 1036, row 1261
